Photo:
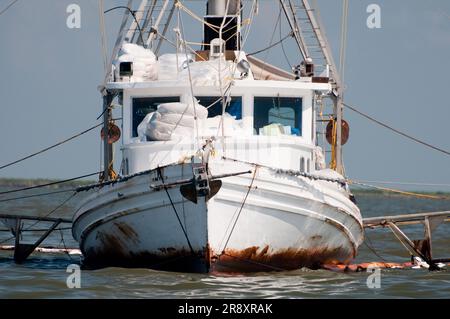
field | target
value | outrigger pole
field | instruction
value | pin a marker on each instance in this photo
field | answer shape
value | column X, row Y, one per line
column 22, row 251
column 421, row 248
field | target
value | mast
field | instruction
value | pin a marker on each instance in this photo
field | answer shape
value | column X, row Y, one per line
column 107, row 147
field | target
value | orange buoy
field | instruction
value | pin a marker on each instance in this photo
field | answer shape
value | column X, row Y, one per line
column 113, row 133
column 345, row 132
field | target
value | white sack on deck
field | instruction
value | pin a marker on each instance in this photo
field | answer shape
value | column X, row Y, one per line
column 206, row 73
column 145, row 66
column 180, row 108
column 142, row 127
column 137, row 51
column 174, row 119
column 171, row 64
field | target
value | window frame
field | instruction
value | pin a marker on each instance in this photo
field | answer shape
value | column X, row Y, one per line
column 278, row 95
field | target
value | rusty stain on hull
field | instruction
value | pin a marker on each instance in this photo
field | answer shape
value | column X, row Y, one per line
column 113, row 252
column 254, row 259
column 128, row 232
column 181, row 260
column 113, row 249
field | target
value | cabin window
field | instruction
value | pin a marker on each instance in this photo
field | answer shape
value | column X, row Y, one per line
column 144, row 105
column 215, row 105
column 308, row 165
column 302, row 165
column 278, row 115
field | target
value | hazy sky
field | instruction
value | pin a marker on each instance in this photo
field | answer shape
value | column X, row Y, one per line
column 398, row 74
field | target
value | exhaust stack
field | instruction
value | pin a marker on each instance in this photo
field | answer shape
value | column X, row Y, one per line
column 216, row 11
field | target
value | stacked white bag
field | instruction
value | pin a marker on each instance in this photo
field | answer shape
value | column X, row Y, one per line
column 174, row 119
column 145, row 66
column 171, row 64
column 206, row 73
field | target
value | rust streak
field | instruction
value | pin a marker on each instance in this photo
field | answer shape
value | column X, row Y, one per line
column 128, row 232
column 255, row 259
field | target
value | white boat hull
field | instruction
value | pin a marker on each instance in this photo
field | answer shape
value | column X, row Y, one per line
column 285, row 222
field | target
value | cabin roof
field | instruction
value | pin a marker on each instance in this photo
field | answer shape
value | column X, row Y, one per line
column 302, row 84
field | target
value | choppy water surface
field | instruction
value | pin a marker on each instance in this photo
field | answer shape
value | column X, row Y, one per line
column 44, row 275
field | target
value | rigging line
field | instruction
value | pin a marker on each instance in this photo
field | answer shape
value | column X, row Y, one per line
column 48, row 184
column 282, row 48
column 343, row 48
column 220, row 80
column 190, row 49
column 399, row 191
column 133, row 13
column 54, row 210
column 404, row 183
column 371, row 248
column 38, row 195
column 103, row 34
column 194, row 104
column 37, row 230
column 196, row 17
column 175, row 211
column 250, row 19
column 397, row 131
column 240, row 210
column 270, row 43
column 291, row 34
column 7, row 7
column 50, row 147
column 64, row 245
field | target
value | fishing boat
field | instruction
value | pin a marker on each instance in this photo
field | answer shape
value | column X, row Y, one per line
column 221, row 168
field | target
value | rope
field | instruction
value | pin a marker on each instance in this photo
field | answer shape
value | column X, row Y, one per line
column 175, row 211
column 50, row 147
column 64, row 245
column 397, row 131
column 405, row 183
column 190, row 78
column 253, row 10
column 372, row 249
column 271, row 41
column 343, row 48
column 37, row 195
column 133, row 13
column 103, row 34
column 37, row 230
column 290, row 34
column 399, row 191
column 7, row 7
column 282, row 48
column 221, row 123
column 55, row 209
column 240, row 211
column 293, row 172
column 179, row 5
column 48, row 184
